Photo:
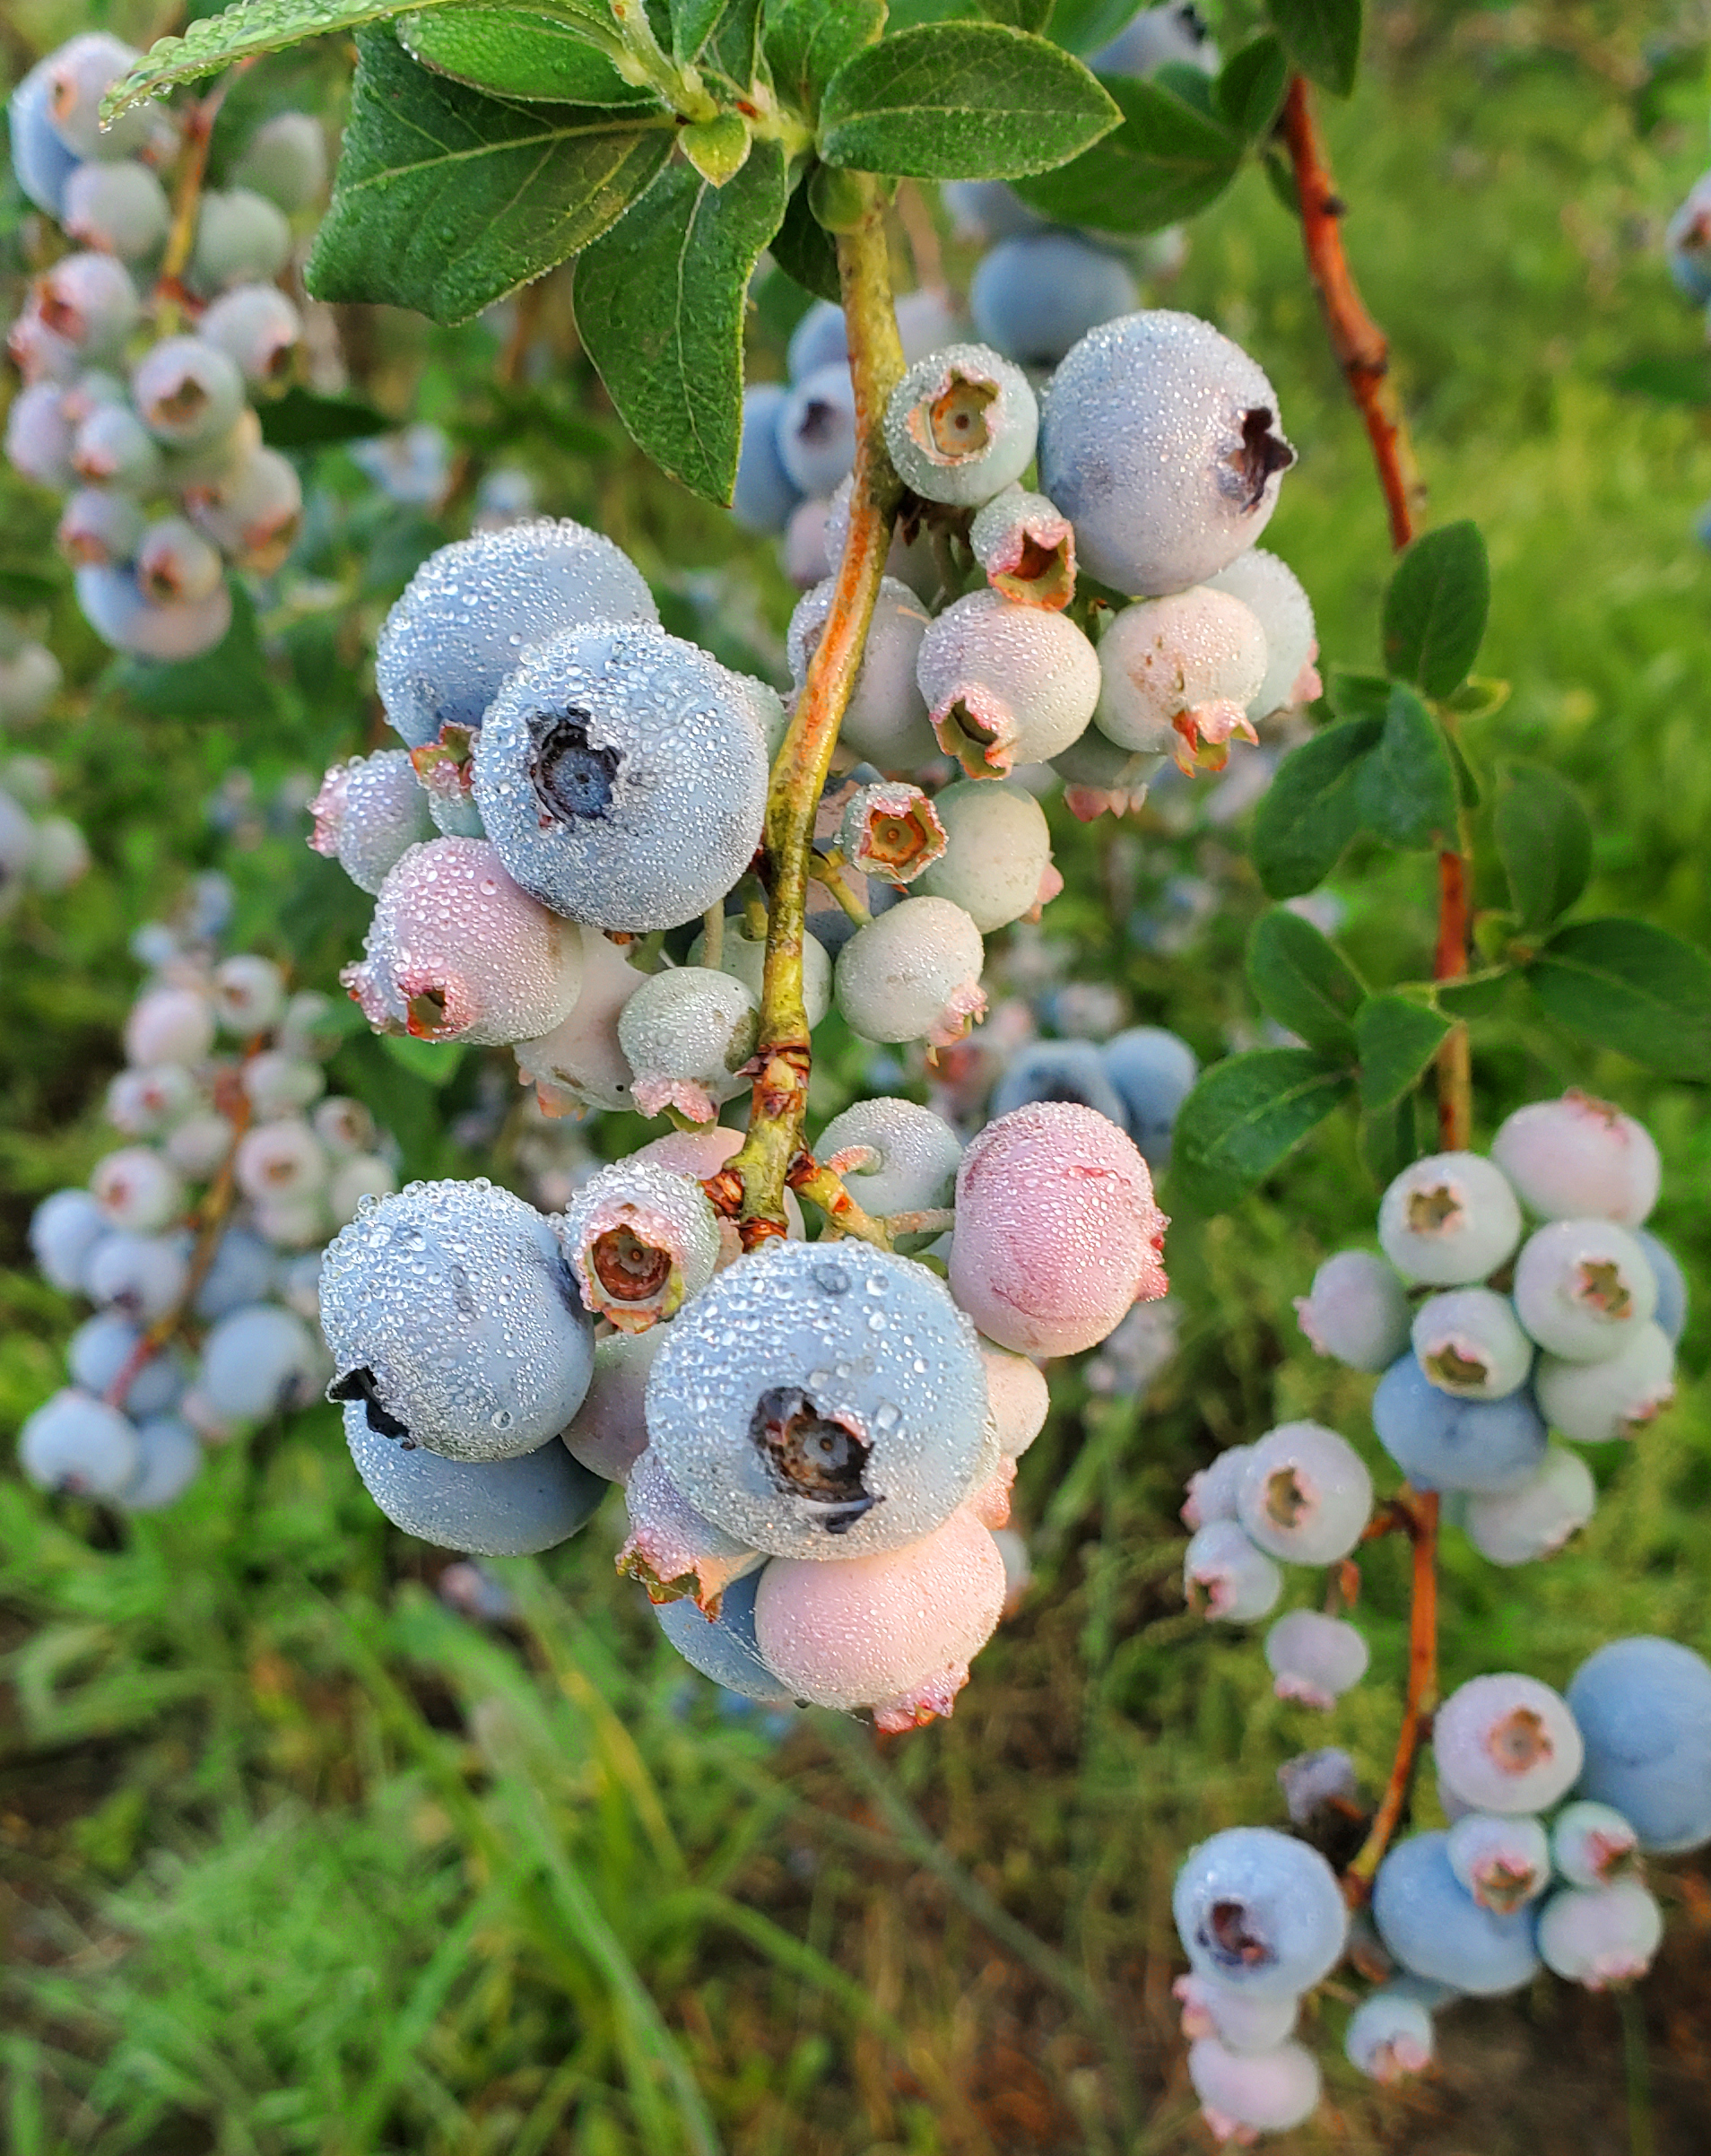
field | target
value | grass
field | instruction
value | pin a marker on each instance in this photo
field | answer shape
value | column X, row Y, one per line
column 299, row 1860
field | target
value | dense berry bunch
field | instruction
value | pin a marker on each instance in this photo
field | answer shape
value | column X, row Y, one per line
column 198, row 1239
column 144, row 350
column 1486, row 1334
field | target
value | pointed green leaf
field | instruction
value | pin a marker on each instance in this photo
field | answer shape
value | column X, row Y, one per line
column 660, row 309
column 1246, row 1116
column 1407, row 793
column 1323, row 37
column 1629, row 986
column 1312, row 809
column 1250, row 91
column 1475, row 994
column 1303, row 981
column 259, row 26
column 807, row 41
column 1357, row 695
column 299, row 419
column 962, row 100
column 1165, row 161
column 1397, row 1038
column 445, row 200
column 1436, row 608
column 1088, row 26
column 1019, row 14
column 806, row 251
column 721, row 34
column 1387, row 1140
column 513, row 52
column 1545, row 839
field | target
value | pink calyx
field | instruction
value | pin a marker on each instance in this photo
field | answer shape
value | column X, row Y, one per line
column 935, row 1697
column 1205, row 732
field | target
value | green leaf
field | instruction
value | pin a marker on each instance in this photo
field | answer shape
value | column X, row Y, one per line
column 1628, row 985
column 806, row 251
column 962, row 100
column 258, row 26
column 1545, row 841
column 723, row 34
column 229, row 682
column 1672, row 378
column 1323, row 37
column 660, row 307
column 434, row 1061
column 513, row 52
column 299, row 419
column 445, row 200
column 1407, row 788
column 1475, row 994
column 1165, row 161
column 807, row 41
column 1017, row 14
column 1468, row 790
column 1312, row 809
column 1250, row 91
column 1684, row 68
column 1087, row 26
column 27, row 587
column 1436, row 607
column 1397, row 1039
column 1248, row 1114
column 1358, row 695
column 1303, row 981
column 1387, row 1140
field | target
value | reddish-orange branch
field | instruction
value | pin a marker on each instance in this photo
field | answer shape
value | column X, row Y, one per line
column 1421, row 1701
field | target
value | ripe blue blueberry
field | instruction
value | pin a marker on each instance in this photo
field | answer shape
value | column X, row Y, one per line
column 64, row 1230
column 1153, row 1070
column 144, row 1275
column 104, row 1346
column 1155, row 38
column 255, row 1360
column 816, row 430
column 1644, row 1707
column 40, row 160
column 1038, row 293
column 169, row 1460
column 1672, row 1312
column 77, row 1443
column 1435, row 1929
column 819, row 340
column 1260, row 1912
column 1058, row 1070
column 764, row 493
column 725, row 1647
column 493, row 1507
column 1442, row 1443
column 453, row 1320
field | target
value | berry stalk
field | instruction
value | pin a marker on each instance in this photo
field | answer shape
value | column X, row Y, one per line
column 799, row 775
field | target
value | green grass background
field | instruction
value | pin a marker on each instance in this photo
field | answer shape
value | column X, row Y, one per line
column 293, row 1859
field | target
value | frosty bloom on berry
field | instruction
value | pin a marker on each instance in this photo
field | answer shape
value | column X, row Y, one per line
column 641, row 1240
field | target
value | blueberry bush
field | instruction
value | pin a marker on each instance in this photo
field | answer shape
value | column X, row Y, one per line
column 897, row 966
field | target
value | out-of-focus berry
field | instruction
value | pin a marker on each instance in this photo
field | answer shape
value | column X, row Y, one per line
column 1644, row 1708
column 1518, row 1525
column 1226, row 1577
column 1357, row 1310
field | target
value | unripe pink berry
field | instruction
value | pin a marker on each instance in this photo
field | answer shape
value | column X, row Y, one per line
column 1057, row 1234
column 894, row 1631
column 137, row 1188
column 1020, row 1399
column 1579, row 1159
column 671, row 1549
column 1179, row 674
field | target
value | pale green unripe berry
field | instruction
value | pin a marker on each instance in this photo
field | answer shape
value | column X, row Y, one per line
column 745, row 957
column 913, row 975
column 961, row 425
column 997, row 860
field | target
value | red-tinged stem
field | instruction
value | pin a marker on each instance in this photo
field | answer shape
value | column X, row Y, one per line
column 1421, row 1701
column 199, row 135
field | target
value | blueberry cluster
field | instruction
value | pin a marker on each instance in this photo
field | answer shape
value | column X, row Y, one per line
column 39, row 850
column 198, row 1241
column 1554, row 1799
column 143, row 351
column 1486, row 1335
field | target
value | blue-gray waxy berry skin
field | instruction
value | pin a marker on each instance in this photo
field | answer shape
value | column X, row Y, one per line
column 1644, row 1709
column 1442, row 1443
column 509, row 1508
column 1159, row 440
column 467, row 615
column 1435, row 1929
column 621, row 776
column 1260, row 1911
column 817, row 1403
column 725, row 1647
column 1037, row 294
column 1058, row 1070
column 454, row 1320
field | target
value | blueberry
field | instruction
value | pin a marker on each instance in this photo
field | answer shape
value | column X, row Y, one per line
column 1027, row 548
column 997, row 861
column 723, row 1647
column 1579, row 1159
column 987, row 209
column 144, row 1275
column 1468, row 1343
column 257, row 325
column 1244, row 2094
column 890, row 830
column 1593, row 1403
column 169, row 1460
column 240, row 1271
column 1672, row 1312
column 40, row 158
column 137, row 1188
column 1240, row 2023
column 1443, row 1443
column 121, row 209
column 914, row 974
column 907, row 1156
column 169, row 1024
column 1584, row 1289
column 1644, row 1708
column 1687, row 238
column 285, row 159
column 241, row 239
column 886, row 717
column 1005, row 683
column 40, row 437
column 1600, row 1935
column 816, row 430
column 469, row 612
column 580, row 1064
column 1449, row 1220
column 1315, row 1658
column 608, row 1433
column 819, row 340
column 642, row 1240
column 764, row 493
column 675, row 1552
column 1594, row 1845
column 818, row 1403
column 1260, row 1912
column 961, row 425
column 175, row 564
column 1518, row 1525
column 80, row 73
column 100, row 527
column 1504, row 1862
column 187, row 391
column 745, row 957
column 686, row 1035
column 113, row 448
column 498, row 1508
column 453, row 1320
column 1213, row 1491
column 1390, row 2035
column 1272, row 592
column 77, row 1443
column 1226, row 1577
column 1160, row 442
column 1507, row 1743
column 251, row 508
column 1305, row 1495
column 1435, row 1929
column 1037, row 294
column 1156, row 37
column 367, row 814
column 1058, row 1070
column 1153, row 1070
column 64, row 1232
column 104, row 1347
column 121, row 614
column 1357, row 1310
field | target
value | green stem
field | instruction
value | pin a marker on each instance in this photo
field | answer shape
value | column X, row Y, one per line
column 799, row 775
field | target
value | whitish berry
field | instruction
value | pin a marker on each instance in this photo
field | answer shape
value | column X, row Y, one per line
column 1504, row 1862
column 686, row 1034
column 144, row 1275
column 1357, row 1310
column 100, row 526
column 671, row 1548
column 78, row 76
column 1027, row 548
column 1177, row 673
column 142, row 1103
column 1305, row 1495
column 1593, row 1403
column 257, row 325
column 621, row 778
column 1644, row 1708
column 1317, row 1784
column 40, row 437
column 1507, row 1743
column 998, row 861
column 961, row 425
column 90, row 302
column 251, row 508
column 469, row 612
column 886, row 718
column 1225, row 1577
column 77, row 1443
column 1435, row 1928
column 1390, row 2035
column 914, row 974
column 1005, row 683
column 1583, row 1289
column 170, row 1025
column 1160, row 442
column 64, row 1230
column 1244, row 2094
column 1273, row 592
column 1020, row 1398
column 744, row 958
column 608, row 1433
column 1260, row 1912
column 198, row 1146
column 580, row 1065
column 817, row 1406
column 725, row 1647
column 367, row 814
column 241, row 239
column 893, row 1156
column 894, row 1631
column 169, row 1460
column 1449, row 1220
column 891, row 831
column 1579, row 1159
column 175, row 564
column 1600, row 1935
column 1470, row 1342
column 816, row 435
column 1213, row 1491
column 1314, row 1658
column 1518, row 1525
column 116, row 607
column 642, row 1240
column 29, row 680
column 1592, row 1845
column 120, row 208
column 1238, row 2023
column 285, row 159
column 136, row 1188
column 187, row 391
column 457, row 952
column 451, row 1312
column 503, row 1508
column 278, row 1160
column 366, row 1176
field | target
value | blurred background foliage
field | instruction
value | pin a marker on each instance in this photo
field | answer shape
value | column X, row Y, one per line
column 298, row 1858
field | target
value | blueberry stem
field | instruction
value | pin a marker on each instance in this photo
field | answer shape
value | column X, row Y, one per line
column 198, row 134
